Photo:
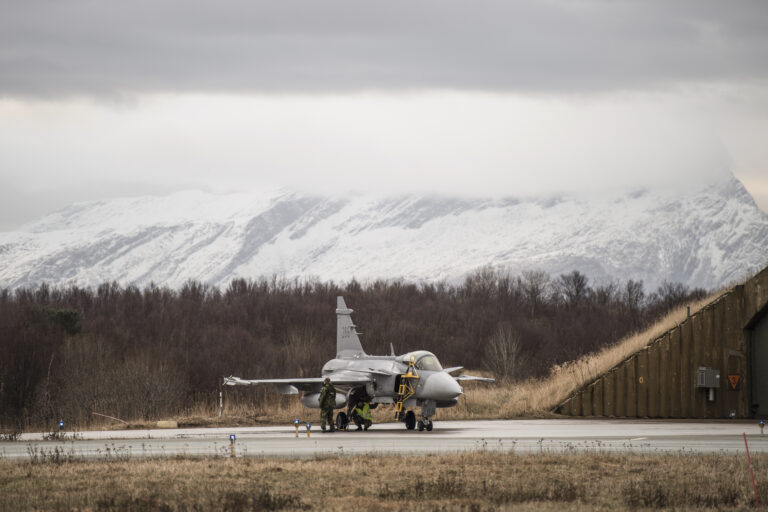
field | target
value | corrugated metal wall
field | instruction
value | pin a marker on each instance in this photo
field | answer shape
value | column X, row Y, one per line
column 659, row 381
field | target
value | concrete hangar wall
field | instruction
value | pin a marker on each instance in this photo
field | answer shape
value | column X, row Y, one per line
column 712, row 365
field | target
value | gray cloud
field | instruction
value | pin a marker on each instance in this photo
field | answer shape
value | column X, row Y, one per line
column 453, row 143
column 93, row 47
column 547, row 96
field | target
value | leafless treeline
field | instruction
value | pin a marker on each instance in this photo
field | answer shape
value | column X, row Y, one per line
column 152, row 352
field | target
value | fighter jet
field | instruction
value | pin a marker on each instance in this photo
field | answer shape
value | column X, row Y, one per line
column 408, row 381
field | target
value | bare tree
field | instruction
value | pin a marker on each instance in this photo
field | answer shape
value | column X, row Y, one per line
column 534, row 284
column 573, row 288
column 634, row 300
column 503, row 354
column 299, row 351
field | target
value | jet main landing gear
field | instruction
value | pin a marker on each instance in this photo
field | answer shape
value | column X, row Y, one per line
column 342, row 421
column 410, row 420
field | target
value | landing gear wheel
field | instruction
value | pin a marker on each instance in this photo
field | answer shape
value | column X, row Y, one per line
column 421, row 426
column 341, row 421
column 429, row 426
column 410, row 420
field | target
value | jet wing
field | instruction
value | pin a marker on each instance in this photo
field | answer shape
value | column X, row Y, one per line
column 384, row 373
column 455, row 369
column 293, row 386
column 472, row 377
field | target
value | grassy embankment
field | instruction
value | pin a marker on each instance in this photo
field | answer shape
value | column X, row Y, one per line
column 531, row 398
column 469, row 481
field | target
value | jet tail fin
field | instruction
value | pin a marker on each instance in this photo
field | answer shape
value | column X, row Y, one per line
column 347, row 342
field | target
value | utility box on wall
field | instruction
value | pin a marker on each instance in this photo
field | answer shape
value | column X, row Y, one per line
column 709, row 380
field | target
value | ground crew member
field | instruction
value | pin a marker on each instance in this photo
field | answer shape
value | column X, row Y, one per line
column 327, row 401
column 362, row 416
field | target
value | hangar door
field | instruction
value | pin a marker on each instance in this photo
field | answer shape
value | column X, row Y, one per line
column 759, row 368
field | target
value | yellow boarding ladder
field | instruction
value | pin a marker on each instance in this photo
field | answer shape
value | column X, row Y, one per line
column 407, row 387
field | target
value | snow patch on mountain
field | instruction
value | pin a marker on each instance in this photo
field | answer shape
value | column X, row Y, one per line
column 709, row 235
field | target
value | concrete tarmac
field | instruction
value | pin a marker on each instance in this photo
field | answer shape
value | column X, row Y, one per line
column 516, row 436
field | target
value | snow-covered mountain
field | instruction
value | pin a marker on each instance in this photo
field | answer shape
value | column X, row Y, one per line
column 706, row 236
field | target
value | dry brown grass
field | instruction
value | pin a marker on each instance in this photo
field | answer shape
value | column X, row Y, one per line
column 468, row 481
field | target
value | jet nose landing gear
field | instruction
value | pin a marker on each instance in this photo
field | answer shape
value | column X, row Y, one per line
column 427, row 412
column 425, row 424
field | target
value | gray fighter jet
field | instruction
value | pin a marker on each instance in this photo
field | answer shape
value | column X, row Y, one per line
column 411, row 380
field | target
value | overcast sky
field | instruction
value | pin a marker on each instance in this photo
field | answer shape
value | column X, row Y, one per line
column 101, row 99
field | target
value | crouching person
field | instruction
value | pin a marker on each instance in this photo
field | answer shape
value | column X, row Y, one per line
column 362, row 416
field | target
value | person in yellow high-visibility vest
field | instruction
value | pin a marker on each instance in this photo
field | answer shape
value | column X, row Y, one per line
column 362, row 416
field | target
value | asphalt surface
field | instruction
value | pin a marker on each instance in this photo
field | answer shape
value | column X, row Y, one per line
column 516, row 436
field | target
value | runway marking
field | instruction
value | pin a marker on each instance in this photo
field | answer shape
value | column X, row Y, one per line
column 638, row 438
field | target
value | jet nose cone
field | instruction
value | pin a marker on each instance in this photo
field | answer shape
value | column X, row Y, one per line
column 440, row 386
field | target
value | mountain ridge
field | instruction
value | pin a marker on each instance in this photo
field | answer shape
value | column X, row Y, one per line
column 707, row 236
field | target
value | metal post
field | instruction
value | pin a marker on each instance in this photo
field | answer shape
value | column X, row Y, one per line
column 221, row 400
column 751, row 471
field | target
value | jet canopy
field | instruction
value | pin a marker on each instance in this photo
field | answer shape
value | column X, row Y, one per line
column 424, row 360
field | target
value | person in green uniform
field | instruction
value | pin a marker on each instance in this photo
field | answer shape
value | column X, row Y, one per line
column 327, row 401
